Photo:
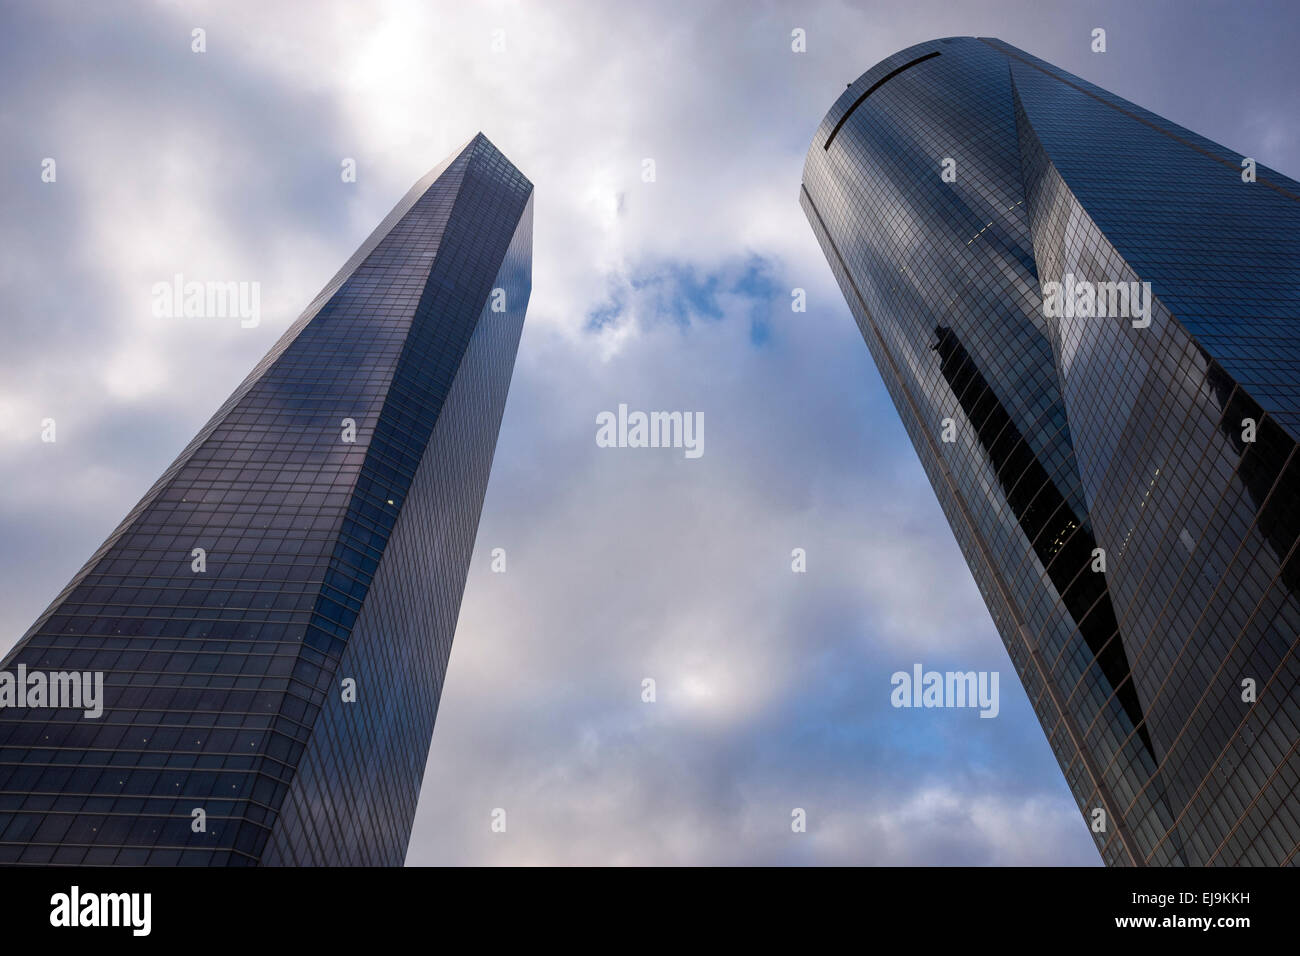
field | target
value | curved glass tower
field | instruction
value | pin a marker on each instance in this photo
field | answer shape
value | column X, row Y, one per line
column 1089, row 320
column 272, row 621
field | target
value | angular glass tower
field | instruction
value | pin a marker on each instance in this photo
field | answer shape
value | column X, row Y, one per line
column 335, row 497
column 1127, row 495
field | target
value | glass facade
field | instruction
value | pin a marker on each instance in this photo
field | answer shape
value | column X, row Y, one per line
column 1125, row 488
column 335, row 496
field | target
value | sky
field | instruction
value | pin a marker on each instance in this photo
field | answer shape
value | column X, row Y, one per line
column 772, row 688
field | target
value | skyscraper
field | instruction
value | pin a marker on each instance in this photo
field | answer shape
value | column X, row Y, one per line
column 273, row 619
column 1088, row 319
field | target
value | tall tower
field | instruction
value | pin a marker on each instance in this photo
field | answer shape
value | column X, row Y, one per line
column 1125, row 487
column 273, row 619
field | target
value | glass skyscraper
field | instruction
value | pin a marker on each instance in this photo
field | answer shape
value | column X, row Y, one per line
column 273, row 619
column 1124, row 483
